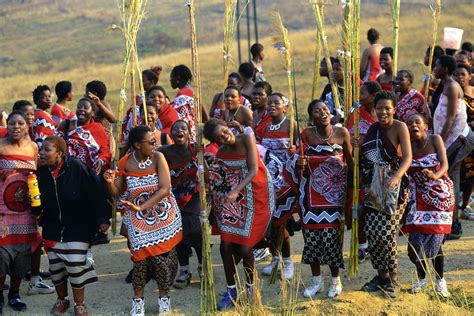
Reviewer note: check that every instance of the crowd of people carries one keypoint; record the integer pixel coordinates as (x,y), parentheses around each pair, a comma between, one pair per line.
(266,178)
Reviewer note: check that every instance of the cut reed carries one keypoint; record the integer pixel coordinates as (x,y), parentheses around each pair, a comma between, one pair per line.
(208,296)
(395,11)
(318,17)
(436,14)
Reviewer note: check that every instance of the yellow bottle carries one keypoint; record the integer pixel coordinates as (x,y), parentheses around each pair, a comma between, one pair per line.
(33,189)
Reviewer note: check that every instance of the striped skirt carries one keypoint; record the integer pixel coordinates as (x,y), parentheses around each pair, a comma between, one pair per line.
(69,260)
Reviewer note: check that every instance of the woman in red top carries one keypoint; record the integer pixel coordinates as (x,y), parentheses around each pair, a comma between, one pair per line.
(43,125)
(386,62)
(243,199)
(60,111)
(260,93)
(184,102)
(86,139)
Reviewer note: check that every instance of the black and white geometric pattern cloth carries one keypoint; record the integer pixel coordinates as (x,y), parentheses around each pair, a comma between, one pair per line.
(322,246)
(382,230)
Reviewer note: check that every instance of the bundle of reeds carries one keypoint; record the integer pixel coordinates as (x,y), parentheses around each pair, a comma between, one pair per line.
(282,43)
(315,5)
(230,27)
(317,59)
(132,13)
(395,10)
(353,262)
(208,296)
(436,13)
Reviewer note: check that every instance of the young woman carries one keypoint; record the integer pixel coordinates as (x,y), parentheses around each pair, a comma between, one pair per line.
(386,62)
(257,57)
(218,107)
(152,218)
(243,200)
(166,115)
(276,140)
(27,108)
(60,111)
(246,72)
(238,117)
(43,125)
(462,75)
(387,146)
(73,207)
(184,102)
(36,286)
(150,78)
(327,154)
(431,203)
(327,96)
(160,137)
(450,122)
(18,157)
(367,117)
(370,61)
(410,101)
(87,140)
(182,160)
(260,93)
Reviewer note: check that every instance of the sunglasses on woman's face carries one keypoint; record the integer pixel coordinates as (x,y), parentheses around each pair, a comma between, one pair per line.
(150,142)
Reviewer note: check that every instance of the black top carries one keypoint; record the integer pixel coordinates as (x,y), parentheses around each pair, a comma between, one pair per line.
(73,205)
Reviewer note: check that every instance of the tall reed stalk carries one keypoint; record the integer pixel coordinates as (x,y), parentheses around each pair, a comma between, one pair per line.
(317,59)
(132,13)
(230,27)
(208,296)
(395,10)
(353,261)
(436,14)
(282,43)
(318,17)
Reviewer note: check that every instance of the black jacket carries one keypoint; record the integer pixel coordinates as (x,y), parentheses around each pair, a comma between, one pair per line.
(74,204)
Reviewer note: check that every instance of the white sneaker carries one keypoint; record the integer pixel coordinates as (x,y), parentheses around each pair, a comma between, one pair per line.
(419,285)
(138,307)
(335,288)
(467,213)
(40,288)
(288,268)
(441,288)
(260,254)
(316,284)
(267,270)
(164,304)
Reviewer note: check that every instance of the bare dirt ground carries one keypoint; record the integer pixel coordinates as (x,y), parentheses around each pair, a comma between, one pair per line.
(112,296)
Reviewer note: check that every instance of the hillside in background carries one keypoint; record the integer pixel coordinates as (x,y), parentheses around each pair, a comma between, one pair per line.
(44,41)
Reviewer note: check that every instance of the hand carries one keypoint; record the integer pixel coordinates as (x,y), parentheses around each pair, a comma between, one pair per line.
(134,207)
(393,182)
(198,147)
(302,162)
(232,196)
(94,98)
(3,228)
(429,174)
(109,176)
(355,141)
(103,227)
(236,125)
(292,150)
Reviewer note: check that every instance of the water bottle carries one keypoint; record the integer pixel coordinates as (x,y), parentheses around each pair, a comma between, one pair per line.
(33,190)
